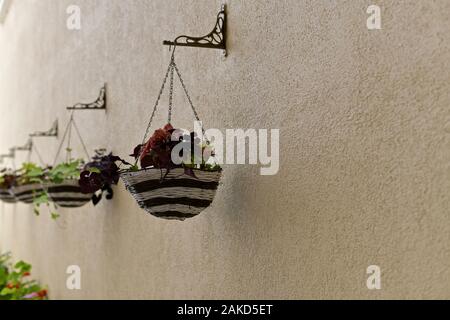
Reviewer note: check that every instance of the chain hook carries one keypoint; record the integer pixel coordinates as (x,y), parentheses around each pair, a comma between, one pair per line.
(173,50)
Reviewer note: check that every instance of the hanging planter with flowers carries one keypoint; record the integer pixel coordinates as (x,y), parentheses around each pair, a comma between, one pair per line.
(23,184)
(161,187)
(61,184)
(74,183)
(28,183)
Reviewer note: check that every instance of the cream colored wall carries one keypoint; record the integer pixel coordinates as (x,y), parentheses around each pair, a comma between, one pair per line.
(365,146)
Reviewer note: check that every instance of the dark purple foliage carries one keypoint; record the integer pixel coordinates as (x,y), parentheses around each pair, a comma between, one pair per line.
(99,175)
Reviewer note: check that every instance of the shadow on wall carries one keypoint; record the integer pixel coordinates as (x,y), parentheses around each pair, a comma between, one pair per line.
(238,193)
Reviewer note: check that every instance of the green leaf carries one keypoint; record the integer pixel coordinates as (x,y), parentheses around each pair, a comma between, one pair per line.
(65,171)
(43,198)
(54,215)
(22,267)
(14,276)
(94,170)
(30,172)
(6,291)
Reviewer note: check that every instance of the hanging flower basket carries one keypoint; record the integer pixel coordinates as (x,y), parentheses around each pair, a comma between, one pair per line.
(62,185)
(67,194)
(6,196)
(162,188)
(178,196)
(27,193)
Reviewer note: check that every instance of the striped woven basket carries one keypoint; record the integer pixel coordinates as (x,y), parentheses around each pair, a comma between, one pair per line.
(67,194)
(26,193)
(6,196)
(177,197)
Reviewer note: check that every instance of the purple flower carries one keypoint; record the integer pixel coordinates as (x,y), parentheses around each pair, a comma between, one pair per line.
(31,295)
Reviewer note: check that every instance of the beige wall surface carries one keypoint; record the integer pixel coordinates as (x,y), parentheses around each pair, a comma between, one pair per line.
(364,119)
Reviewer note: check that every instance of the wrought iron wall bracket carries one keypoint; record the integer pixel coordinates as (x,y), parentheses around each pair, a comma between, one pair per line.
(216,39)
(27,147)
(52,132)
(99,104)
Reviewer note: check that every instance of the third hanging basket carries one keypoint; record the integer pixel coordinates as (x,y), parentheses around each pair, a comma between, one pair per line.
(172,192)
(65,190)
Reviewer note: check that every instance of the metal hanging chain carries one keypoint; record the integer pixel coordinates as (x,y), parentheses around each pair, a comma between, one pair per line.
(69,139)
(186,92)
(81,139)
(36,151)
(170,72)
(29,154)
(169,118)
(63,139)
(68,135)
(154,110)
(190,101)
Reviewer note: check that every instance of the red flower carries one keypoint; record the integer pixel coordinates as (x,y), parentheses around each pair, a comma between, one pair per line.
(157,151)
(26,274)
(42,293)
(10,286)
(159,139)
(168,127)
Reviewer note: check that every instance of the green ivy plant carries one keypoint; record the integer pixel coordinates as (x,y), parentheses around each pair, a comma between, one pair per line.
(65,171)
(44,199)
(32,173)
(15,283)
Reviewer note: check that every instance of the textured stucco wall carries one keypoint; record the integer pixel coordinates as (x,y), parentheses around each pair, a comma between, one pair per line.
(365,146)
